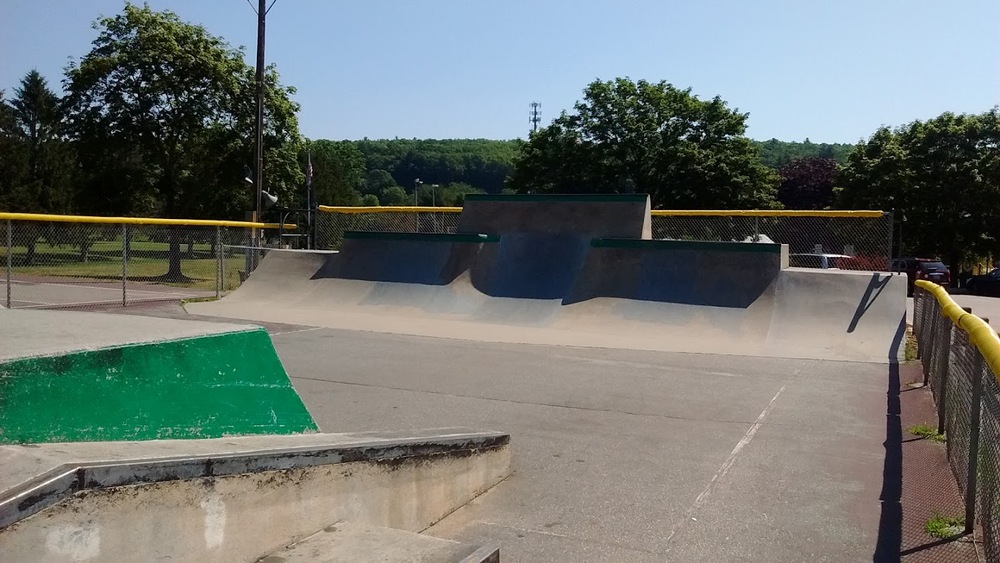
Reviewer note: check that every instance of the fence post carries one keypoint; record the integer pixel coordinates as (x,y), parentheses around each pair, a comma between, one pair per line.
(218,261)
(918,325)
(10,256)
(124,265)
(222,265)
(971,484)
(944,361)
(892,232)
(929,338)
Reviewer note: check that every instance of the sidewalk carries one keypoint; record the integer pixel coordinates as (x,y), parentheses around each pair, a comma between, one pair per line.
(928,485)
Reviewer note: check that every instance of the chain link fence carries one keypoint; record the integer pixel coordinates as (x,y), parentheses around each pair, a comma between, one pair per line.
(332,222)
(72,263)
(960,354)
(862,240)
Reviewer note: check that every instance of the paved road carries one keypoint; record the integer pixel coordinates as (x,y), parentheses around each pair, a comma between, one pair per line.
(986,307)
(625,455)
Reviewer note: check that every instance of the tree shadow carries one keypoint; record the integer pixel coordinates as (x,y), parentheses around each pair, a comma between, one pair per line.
(875,287)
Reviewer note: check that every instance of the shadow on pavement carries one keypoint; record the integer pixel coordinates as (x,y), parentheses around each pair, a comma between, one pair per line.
(890,527)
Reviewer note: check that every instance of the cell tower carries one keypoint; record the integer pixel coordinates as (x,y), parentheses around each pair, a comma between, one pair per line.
(534,116)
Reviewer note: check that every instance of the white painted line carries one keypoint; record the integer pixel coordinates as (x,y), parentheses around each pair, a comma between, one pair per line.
(83,303)
(702,498)
(641,365)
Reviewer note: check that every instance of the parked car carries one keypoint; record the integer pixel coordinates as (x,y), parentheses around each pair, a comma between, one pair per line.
(986,284)
(930,269)
(816,260)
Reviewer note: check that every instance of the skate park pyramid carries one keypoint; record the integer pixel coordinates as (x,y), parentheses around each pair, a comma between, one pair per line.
(577,270)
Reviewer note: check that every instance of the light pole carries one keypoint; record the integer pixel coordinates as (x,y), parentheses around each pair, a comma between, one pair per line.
(262,10)
(434,204)
(416,216)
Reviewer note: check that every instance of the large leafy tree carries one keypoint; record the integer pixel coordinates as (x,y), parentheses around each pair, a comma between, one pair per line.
(39,163)
(807,183)
(941,175)
(627,136)
(163,114)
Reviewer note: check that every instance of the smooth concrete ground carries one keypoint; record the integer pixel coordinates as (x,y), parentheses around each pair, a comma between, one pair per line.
(626,455)
(26,333)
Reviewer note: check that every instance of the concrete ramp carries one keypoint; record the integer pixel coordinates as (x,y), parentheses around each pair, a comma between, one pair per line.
(73,376)
(849,315)
(794,313)
(421,258)
(578,270)
(711,274)
(592,216)
(531,265)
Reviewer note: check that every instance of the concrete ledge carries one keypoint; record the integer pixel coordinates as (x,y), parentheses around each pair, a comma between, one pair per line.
(217,458)
(243,506)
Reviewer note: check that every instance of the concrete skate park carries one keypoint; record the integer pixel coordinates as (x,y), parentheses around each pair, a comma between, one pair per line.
(547,383)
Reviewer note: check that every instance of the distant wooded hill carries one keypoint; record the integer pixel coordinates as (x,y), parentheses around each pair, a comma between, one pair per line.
(775,153)
(484,164)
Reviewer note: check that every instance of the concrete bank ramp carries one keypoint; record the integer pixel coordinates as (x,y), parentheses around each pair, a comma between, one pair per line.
(655,295)
(592,216)
(74,376)
(325,496)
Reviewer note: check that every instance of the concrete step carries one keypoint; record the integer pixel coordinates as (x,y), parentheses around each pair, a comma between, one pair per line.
(360,543)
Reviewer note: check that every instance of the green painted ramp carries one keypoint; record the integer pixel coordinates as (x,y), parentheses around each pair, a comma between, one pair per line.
(208,386)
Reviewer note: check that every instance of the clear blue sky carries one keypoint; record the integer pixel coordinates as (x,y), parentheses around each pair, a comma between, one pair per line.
(830,71)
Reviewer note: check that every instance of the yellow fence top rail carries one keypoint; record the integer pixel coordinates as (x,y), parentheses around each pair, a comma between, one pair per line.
(138,221)
(980,333)
(655,212)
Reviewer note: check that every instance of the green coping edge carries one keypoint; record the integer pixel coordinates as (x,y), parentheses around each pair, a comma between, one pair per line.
(589,198)
(436,237)
(700,245)
(211,386)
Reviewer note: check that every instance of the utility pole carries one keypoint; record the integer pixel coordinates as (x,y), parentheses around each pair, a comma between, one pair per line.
(259,132)
(534,115)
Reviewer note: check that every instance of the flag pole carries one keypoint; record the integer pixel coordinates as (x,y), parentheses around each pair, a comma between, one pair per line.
(310,203)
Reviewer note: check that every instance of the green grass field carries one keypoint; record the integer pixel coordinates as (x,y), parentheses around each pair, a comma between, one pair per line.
(147,261)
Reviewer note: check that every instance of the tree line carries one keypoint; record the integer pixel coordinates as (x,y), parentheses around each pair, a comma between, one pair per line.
(157,120)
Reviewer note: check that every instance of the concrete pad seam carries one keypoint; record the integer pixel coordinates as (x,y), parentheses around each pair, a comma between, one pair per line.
(469,502)
(511,401)
(730,460)
(568,537)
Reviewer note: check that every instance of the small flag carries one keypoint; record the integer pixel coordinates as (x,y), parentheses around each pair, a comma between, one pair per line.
(309,169)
